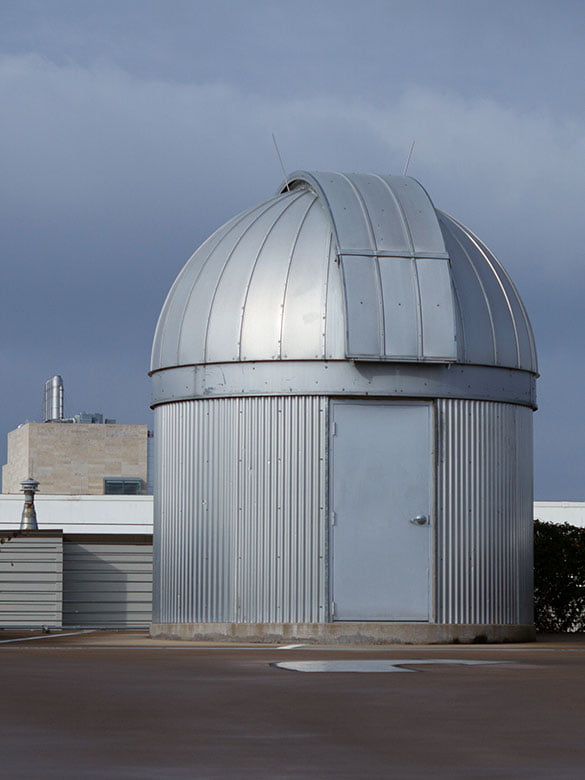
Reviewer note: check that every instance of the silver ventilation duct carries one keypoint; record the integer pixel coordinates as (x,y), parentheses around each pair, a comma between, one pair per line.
(28,520)
(53,406)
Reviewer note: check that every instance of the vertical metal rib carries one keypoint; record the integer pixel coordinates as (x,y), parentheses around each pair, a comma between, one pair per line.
(484,506)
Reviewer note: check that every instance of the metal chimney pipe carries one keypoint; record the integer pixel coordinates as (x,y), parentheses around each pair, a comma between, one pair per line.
(28,520)
(54,399)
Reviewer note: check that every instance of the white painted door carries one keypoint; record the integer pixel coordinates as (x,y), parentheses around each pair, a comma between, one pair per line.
(381,502)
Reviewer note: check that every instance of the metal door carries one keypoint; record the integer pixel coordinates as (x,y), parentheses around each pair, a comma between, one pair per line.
(381,501)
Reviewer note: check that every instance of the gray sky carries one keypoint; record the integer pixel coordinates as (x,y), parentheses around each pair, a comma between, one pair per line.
(130,130)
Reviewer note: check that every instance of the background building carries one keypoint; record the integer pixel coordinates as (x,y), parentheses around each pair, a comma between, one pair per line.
(78,458)
(559,512)
(90,561)
(78,455)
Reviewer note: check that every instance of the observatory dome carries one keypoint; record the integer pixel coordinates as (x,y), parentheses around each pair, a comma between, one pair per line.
(343,380)
(358,267)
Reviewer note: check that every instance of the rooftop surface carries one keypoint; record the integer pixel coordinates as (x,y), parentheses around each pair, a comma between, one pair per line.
(119,704)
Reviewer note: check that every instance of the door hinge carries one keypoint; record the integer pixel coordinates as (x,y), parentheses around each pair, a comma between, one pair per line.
(333,518)
(332,609)
(334,429)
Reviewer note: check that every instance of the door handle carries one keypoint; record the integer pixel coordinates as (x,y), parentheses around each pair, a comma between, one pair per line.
(420,520)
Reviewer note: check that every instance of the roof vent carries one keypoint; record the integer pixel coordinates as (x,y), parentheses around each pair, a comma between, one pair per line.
(53,407)
(28,520)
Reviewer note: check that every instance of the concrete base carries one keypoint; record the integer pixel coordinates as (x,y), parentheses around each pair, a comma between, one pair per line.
(346,633)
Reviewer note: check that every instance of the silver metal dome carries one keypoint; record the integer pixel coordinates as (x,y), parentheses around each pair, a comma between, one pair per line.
(344,266)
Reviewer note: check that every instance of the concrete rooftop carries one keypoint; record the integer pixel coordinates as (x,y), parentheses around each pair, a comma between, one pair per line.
(119,704)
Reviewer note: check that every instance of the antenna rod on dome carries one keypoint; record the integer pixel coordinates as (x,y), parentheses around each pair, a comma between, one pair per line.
(408,159)
(280,161)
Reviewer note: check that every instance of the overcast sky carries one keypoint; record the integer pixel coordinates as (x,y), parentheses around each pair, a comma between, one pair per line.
(130,130)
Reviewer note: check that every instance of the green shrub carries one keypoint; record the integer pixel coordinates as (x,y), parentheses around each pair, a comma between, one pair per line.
(559,577)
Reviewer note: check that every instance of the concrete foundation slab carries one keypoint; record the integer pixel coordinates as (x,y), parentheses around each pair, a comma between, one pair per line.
(355,633)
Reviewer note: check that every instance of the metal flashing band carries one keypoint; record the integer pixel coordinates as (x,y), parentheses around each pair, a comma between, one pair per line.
(344,378)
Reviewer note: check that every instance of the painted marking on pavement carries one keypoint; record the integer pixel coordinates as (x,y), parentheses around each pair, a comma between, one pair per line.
(44,636)
(394,665)
(120,648)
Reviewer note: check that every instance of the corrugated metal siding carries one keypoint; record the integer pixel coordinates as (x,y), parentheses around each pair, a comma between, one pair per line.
(240,510)
(31,579)
(484,513)
(106,583)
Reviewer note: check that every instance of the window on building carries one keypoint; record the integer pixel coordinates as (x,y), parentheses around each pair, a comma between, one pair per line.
(122,486)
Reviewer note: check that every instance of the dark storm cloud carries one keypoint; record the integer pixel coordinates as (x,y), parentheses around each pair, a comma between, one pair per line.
(131,131)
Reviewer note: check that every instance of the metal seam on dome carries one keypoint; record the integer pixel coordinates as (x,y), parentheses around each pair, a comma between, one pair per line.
(290,260)
(481,286)
(419,314)
(237,220)
(519,300)
(363,207)
(408,234)
(489,256)
(389,253)
(313,184)
(401,212)
(486,255)
(225,231)
(170,295)
(370,228)
(461,342)
(327,275)
(276,201)
(293,199)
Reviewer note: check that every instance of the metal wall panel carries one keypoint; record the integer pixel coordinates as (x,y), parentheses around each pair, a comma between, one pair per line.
(437,309)
(398,280)
(240,504)
(107,581)
(31,579)
(484,513)
(362,306)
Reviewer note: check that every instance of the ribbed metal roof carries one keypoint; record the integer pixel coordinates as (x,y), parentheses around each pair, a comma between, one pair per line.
(344,266)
